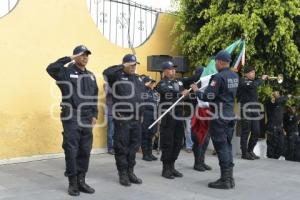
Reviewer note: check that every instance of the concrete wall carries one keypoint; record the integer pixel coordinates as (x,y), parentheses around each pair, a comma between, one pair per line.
(36,33)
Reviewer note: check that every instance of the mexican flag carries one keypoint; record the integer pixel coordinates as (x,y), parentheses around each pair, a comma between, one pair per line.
(200,120)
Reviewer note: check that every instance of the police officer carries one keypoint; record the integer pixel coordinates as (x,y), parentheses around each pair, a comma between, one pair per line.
(248,98)
(78,114)
(171,127)
(275,132)
(150,111)
(127,88)
(291,120)
(221,92)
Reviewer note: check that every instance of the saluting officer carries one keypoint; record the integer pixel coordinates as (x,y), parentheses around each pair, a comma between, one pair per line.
(248,97)
(78,114)
(171,128)
(127,88)
(221,93)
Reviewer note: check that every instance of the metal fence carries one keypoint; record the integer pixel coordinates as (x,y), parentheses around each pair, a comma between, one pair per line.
(6,6)
(123,22)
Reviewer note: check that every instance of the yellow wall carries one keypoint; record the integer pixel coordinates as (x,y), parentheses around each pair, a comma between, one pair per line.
(34,34)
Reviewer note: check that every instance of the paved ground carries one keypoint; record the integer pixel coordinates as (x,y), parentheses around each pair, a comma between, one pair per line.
(263,179)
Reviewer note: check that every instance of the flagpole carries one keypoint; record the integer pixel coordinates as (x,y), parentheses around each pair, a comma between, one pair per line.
(171,107)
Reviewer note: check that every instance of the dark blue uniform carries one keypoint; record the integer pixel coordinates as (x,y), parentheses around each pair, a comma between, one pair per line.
(247,93)
(221,91)
(275,136)
(290,124)
(171,129)
(127,97)
(79,105)
(150,114)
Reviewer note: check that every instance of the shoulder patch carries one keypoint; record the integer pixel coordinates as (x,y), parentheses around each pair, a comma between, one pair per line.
(213,83)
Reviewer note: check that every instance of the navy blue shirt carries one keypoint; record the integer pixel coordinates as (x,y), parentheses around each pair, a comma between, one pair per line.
(78,87)
(290,122)
(221,91)
(170,92)
(127,90)
(275,112)
(151,99)
(247,90)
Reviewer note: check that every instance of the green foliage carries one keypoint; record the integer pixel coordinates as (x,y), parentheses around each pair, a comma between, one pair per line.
(271,28)
(266,92)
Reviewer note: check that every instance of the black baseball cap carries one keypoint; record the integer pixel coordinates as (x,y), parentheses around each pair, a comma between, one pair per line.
(81,49)
(130,58)
(147,79)
(223,56)
(168,65)
(249,69)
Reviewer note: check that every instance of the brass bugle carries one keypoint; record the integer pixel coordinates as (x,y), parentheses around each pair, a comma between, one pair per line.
(279,78)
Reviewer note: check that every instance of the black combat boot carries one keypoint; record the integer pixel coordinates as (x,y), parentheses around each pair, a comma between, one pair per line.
(232,182)
(154,158)
(254,155)
(124,179)
(151,155)
(199,167)
(167,172)
(202,161)
(133,178)
(225,182)
(175,172)
(197,163)
(246,155)
(146,155)
(73,187)
(83,187)
(207,167)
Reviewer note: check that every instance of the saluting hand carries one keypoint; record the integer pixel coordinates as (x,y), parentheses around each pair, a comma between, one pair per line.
(76,55)
(129,64)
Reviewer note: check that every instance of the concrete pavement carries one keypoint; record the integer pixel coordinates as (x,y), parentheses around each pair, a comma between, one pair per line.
(262,179)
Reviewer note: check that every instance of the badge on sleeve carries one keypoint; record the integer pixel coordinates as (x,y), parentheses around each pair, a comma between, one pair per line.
(73,75)
(213,83)
(92,77)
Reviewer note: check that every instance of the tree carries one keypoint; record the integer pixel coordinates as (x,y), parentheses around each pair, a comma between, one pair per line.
(271,28)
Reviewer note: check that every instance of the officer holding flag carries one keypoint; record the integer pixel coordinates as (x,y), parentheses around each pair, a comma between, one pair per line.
(221,93)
